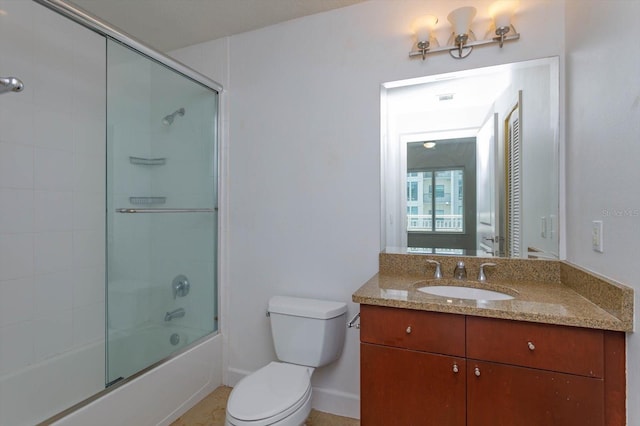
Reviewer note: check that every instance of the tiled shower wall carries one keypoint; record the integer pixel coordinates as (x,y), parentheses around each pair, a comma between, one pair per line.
(52,213)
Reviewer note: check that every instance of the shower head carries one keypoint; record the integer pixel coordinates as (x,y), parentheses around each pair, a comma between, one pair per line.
(167,120)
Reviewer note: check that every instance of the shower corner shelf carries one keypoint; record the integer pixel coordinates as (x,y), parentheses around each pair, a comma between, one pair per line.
(148,161)
(147,200)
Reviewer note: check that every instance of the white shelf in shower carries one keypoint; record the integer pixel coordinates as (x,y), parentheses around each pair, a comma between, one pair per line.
(148,161)
(145,201)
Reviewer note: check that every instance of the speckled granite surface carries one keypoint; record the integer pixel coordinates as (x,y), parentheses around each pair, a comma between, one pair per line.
(545,291)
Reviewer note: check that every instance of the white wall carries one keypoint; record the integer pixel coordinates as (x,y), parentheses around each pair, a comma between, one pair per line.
(304,162)
(603,131)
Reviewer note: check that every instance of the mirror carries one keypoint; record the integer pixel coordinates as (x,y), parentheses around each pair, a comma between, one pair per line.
(470,162)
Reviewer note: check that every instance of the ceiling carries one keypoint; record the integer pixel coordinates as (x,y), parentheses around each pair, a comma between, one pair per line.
(171,24)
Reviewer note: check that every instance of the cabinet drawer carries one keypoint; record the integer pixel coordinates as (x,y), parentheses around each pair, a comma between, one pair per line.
(419,330)
(551,347)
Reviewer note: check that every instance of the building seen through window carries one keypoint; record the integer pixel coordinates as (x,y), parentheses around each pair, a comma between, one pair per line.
(435,201)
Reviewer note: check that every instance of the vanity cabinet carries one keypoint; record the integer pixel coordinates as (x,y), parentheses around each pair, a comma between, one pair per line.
(428,368)
(412,367)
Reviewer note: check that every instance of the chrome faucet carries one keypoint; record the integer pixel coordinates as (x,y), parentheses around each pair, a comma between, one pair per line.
(177,313)
(460,273)
(481,276)
(438,272)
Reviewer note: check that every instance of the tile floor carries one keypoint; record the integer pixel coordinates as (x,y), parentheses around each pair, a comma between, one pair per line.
(211,412)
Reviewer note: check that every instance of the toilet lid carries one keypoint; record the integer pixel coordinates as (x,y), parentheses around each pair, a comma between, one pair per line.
(269,391)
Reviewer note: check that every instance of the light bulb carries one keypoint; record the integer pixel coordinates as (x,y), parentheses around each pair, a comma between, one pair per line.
(461,19)
(423,26)
(501,11)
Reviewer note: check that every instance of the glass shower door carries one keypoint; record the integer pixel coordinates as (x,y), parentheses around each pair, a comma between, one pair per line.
(161,211)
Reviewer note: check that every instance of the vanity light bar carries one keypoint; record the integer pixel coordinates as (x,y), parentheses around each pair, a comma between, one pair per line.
(455,51)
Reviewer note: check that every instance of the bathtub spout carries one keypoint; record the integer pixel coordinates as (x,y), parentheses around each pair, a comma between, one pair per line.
(178,313)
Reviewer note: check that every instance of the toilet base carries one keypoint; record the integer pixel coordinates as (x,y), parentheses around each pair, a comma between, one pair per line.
(297,418)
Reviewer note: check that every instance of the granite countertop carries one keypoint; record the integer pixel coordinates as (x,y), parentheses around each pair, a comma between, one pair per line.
(542,302)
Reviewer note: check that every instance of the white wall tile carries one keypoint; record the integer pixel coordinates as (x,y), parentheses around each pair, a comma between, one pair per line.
(16,256)
(16,166)
(89,210)
(53,169)
(89,172)
(60,112)
(88,324)
(16,301)
(88,286)
(88,249)
(51,128)
(53,251)
(53,293)
(53,211)
(52,335)
(16,120)
(16,210)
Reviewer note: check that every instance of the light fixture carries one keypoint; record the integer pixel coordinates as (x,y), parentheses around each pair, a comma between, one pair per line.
(462,40)
(461,19)
(429,144)
(422,28)
(501,12)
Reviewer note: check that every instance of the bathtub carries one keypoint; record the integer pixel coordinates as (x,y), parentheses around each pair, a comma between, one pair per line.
(130,351)
(44,389)
(161,394)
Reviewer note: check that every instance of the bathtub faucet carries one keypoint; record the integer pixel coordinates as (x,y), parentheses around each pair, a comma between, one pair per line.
(178,313)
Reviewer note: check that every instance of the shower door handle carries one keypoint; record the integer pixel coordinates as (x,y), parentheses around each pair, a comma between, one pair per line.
(10,84)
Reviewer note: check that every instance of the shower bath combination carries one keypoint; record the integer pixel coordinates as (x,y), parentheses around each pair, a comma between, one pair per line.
(131,316)
(168,119)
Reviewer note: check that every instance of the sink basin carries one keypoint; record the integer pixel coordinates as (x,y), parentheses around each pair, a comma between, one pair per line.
(461,292)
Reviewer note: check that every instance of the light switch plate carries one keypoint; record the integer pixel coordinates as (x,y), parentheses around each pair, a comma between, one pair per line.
(596,236)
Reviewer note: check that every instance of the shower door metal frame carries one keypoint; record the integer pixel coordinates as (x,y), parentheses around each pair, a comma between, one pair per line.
(84,18)
(107,30)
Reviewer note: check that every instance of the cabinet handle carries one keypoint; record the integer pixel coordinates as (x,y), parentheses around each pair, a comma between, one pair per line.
(477,372)
(455,368)
(408,330)
(531,346)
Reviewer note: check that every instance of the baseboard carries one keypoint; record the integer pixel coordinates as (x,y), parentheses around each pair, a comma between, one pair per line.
(234,375)
(326,400)
(336,402)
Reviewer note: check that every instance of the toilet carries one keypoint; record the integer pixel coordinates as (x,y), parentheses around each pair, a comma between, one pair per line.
(307,333)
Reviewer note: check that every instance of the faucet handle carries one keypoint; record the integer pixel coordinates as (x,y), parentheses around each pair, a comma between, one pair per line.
(481,276)
(438,271)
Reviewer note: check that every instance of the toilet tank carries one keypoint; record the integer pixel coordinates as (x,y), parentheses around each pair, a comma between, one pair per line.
(307,331)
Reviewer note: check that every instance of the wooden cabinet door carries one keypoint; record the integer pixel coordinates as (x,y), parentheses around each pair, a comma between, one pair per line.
(408,388)
(504,395)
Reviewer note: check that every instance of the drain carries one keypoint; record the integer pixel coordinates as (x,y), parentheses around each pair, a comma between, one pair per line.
(174,339)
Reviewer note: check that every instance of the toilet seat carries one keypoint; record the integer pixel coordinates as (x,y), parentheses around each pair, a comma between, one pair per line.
(270,394)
